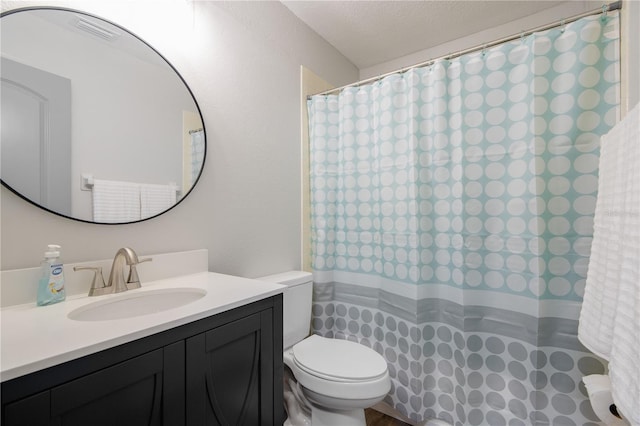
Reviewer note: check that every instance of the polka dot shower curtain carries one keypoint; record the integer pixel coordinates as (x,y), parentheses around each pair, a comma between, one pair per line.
(452,214)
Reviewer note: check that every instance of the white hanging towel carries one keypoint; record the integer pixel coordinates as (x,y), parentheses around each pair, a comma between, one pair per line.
(155,199)
(115,201)
(610,316)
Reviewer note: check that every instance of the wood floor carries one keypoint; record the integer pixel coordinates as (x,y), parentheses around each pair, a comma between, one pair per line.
(376,418)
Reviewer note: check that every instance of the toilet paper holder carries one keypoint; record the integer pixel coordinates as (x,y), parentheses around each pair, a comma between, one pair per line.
(614,410)
(599,391)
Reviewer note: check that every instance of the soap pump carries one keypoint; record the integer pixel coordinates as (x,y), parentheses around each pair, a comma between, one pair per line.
(51,283)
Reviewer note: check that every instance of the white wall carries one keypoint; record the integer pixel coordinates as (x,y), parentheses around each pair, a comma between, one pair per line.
(242,62)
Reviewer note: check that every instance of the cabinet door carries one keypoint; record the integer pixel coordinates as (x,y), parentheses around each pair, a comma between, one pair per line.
(30,411)
(230,373)
(128,393)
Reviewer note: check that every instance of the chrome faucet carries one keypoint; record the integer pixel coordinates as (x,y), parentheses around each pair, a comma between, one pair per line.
(116,283)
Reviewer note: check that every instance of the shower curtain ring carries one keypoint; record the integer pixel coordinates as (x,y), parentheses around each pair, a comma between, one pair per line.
(562,26)
(605,9)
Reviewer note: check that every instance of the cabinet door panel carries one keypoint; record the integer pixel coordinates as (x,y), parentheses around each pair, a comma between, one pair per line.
(129,393)
(173,402)
(30,411)
(225,375)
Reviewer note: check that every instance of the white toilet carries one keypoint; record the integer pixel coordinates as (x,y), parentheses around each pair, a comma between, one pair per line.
(336,379)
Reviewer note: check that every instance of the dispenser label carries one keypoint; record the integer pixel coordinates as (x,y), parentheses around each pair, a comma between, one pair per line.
(56,279)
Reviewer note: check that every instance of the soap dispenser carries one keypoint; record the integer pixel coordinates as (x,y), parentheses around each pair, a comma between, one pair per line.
(51,283)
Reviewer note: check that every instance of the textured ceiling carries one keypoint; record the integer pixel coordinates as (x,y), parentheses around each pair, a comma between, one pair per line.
(372,32)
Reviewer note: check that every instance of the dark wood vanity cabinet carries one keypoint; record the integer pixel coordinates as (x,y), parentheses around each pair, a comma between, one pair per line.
(228,371)
(222,370)
(130,392)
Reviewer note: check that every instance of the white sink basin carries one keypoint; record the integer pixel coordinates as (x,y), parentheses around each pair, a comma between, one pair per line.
(134,304)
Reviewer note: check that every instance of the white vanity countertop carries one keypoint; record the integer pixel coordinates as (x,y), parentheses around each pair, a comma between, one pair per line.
(36,337)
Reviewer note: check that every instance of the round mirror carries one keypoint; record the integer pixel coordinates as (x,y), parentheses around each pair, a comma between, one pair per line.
(96,125)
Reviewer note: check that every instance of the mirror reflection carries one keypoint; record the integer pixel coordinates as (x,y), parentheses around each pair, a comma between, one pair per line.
(96,125)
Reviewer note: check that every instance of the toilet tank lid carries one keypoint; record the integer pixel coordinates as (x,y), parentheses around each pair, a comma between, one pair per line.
(289,278)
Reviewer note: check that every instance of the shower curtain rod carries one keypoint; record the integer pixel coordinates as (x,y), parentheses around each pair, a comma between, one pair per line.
(604,9)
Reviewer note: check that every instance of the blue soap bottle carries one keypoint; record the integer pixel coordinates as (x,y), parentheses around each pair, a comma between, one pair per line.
(51,283)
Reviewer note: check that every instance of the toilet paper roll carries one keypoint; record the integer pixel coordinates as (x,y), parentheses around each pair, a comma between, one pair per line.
(599,390)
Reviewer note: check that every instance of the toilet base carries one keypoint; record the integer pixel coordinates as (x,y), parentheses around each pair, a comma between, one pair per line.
(296,405)
(324,417)
(303,412)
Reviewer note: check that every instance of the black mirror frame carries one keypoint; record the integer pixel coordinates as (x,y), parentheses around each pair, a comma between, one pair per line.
(204,158)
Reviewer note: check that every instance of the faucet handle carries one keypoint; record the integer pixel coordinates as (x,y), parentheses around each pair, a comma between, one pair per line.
(133,281)
(97,284)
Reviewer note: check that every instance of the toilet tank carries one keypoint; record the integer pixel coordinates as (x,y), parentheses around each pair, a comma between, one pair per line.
(296,301)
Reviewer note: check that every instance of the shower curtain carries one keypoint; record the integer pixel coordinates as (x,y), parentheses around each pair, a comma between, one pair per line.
(197,154)
(452,215)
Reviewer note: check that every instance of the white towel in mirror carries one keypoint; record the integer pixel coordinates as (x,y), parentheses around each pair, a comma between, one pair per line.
(154,199)
(115,201)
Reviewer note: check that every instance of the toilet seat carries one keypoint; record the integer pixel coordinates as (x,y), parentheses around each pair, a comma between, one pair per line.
(338,360)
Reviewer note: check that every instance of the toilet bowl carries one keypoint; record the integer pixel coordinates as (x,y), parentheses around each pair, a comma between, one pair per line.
(336,379)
